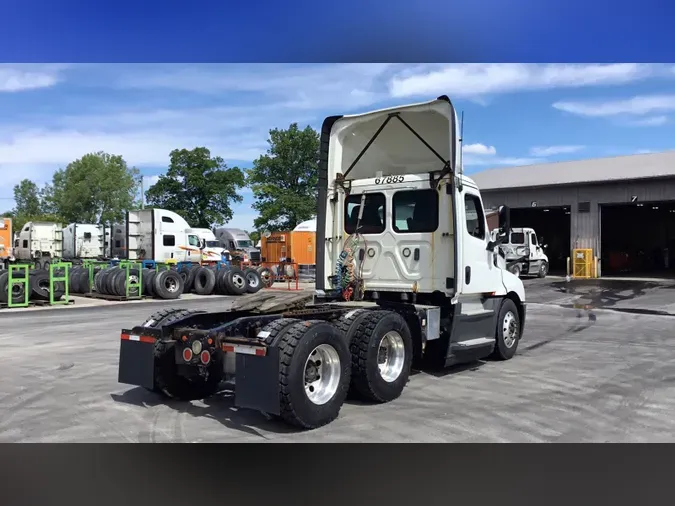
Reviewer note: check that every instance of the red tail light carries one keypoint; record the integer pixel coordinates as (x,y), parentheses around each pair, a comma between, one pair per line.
(205,357)
(187,354)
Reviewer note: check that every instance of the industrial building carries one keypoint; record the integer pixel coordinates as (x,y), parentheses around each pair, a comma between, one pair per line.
(623,208)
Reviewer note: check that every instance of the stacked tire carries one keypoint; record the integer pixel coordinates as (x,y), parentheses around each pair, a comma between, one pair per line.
(38,286)
(209,280)
(18,290)
(78,279)
(167,284)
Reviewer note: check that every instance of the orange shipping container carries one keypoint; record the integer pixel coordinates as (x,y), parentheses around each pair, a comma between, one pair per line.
(298,246)
(5,237)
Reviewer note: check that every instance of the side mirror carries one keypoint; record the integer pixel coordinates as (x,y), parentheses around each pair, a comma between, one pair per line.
(202,243)
(504,220)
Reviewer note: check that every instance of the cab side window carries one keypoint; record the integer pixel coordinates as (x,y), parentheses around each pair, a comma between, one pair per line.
(534,239)
(193,240)
(475,218)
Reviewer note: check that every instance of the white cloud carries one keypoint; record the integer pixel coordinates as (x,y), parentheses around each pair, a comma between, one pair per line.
(479,149)
(304,86)
(149,181)
(636,106)
(519,161)
(54,148)
(483,155)
(651,121)
(544,151)
(471,79)
(14,78)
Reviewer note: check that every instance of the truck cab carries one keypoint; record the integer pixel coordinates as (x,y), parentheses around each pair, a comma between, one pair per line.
(204,242)
(398,221)
(238,243)
(525,254)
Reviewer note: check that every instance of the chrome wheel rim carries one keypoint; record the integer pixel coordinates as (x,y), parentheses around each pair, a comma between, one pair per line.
(510,329)
(391,356)
(252,280)
(171,285)
(322,374)
(238,281)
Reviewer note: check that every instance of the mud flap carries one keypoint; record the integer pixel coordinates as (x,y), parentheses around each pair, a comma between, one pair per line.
(137,363)
(257,382)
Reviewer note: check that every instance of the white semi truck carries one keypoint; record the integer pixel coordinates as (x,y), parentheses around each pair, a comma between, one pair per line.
(239,244)
(430,289)
(83,241)
(524,254)
(39,242)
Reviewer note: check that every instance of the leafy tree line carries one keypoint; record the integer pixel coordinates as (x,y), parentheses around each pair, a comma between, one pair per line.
(100,187)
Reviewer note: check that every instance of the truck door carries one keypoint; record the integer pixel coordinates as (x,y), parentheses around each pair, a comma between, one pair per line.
(479,271)
(193,253)
(535,253)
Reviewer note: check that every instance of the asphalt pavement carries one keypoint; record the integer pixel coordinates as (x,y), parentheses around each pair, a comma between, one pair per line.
(578,376)
(642,296)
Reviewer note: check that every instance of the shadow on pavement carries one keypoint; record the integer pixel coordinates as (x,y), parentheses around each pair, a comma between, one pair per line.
(219,407)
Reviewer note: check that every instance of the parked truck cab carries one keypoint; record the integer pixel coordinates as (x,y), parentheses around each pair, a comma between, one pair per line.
(204,242)
(39,242)
(524,254)
(238,243)
(407,272)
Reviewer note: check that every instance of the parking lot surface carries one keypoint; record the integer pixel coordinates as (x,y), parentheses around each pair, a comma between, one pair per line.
(647,296)
(610,377)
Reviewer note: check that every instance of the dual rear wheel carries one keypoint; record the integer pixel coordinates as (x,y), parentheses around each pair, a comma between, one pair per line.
(367,354)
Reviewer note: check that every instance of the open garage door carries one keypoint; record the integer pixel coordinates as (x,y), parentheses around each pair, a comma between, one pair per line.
(553,228)
(638,239)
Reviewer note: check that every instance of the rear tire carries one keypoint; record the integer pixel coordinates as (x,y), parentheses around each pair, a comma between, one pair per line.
(254,282)
(168,285)
(18,290)
(221,288)
(314,374)
(190,280)
(382,351)
(83,281)
(508,332)
(205,281)
(273,332)
(516,270)
(235,281)
(266,276)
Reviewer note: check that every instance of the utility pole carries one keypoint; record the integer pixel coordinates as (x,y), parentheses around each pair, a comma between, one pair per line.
(142,195)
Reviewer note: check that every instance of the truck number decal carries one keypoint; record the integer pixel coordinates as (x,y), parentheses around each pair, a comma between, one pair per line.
(389,180)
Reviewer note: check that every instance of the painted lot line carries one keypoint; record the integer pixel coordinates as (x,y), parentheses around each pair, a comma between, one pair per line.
(572,380)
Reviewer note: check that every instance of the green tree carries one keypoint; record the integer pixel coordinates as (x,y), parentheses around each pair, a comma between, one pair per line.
(97,188)
(199,187)
(30,205)
(255,236)
(284,180)
(27,198)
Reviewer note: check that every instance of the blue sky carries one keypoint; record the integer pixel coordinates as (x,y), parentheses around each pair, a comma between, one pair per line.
(515,114)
